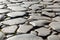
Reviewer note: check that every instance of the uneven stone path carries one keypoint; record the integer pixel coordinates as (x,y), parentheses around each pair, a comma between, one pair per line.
(29,19)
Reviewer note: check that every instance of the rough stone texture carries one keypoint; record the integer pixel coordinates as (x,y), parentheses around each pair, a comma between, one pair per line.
(14,21)
(55,26)
(1,36)
(53,37)
(43,31)
(39,22)
(25,37)
(14,14)
(9,29)
(24,28)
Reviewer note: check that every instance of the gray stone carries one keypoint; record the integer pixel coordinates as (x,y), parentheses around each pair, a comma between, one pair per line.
(47,3)
(17,8)
(56,10)
(16,14)
(39,22)
(49,14)
(4,10)
(35,6)
(47,0)
(14,21)
(53,37)
(55,6)
(9,29)
(1,35)
(56,19)
(55,26)
(24,28)
(2,6)
(2,16)
(25,37)
(43,31)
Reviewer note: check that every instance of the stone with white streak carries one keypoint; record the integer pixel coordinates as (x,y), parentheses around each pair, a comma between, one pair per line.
(16,14)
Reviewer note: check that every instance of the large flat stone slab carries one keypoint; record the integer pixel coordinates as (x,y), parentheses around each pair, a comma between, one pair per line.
(25,37)
(14,21)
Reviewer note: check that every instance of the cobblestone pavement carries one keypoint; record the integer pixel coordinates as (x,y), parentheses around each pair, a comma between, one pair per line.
(29,19)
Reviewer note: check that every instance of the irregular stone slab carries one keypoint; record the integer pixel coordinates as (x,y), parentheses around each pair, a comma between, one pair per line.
(14,21)
(2,36)
(48,14)
(57,13)
(56,0)
(16,14)
(9,29)
(55,26)
(30,2)
(39,22)
(47,10)
(2,17)
(38,16)
(24,28)
(25,37)
(55,6)
(56,19)
(4,10)
(47,3)
(2,0)
(17,8)
(43,31)
(35,6)
(48,0)
(2,6)
(53,37)
(25,5)
(56,10)
(13,4)
(17,0)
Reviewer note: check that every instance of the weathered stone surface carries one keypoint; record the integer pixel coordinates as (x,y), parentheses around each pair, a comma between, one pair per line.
(16,14)
(17,8)
(25,37)
(2,6)
(14,21)
(43,31)
(2,36)
(53,37)
(56,19)
(4,10)
(47,0)
(24,28)
(35,6)
(48,14)
(55,26)
(9,29)
(2,17)
(39,22)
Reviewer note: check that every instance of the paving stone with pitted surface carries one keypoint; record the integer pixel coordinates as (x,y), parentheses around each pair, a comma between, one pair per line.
(53,37)
(41,30)
(14,21)
(24,28)
(14,14)
(9,29)
(55,26)
(25,37)
(39,22)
